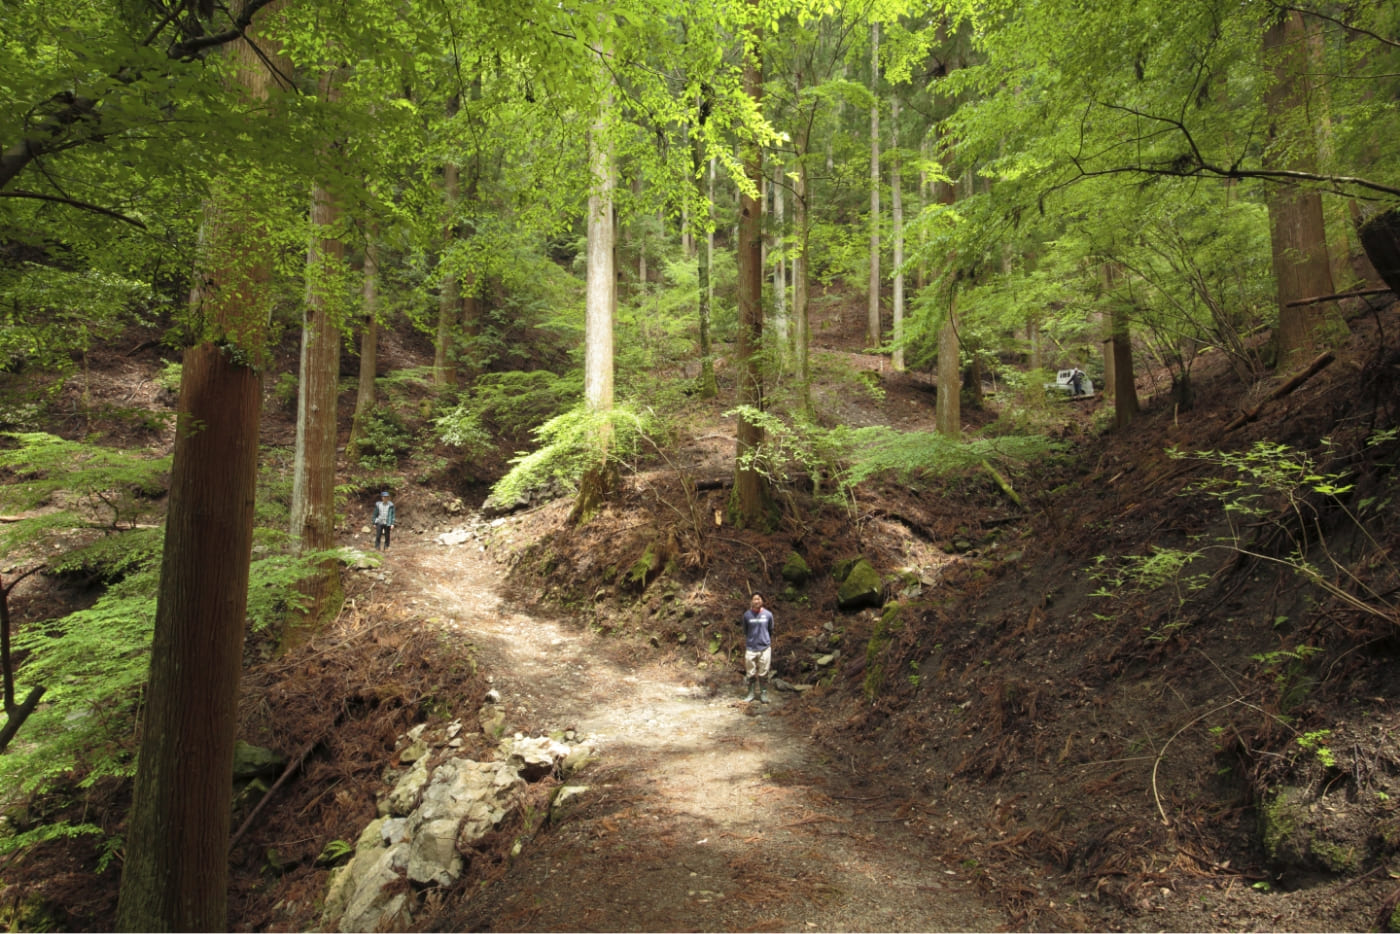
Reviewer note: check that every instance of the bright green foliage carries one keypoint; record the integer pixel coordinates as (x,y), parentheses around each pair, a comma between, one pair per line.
(908,455)
(72,485)
(1141,574)
(507,405)
(1284,509)
(568,448)
(383,439)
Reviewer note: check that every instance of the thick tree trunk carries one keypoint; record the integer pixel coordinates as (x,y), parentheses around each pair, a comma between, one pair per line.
(872,331)
(1380,237)
(175,877)
(175,874)
(750,485)
(1298,234)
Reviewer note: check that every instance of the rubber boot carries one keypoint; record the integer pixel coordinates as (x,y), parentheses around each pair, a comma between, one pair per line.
(750,683)
(763,690)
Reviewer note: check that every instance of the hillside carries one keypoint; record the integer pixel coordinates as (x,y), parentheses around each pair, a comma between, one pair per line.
(997,746)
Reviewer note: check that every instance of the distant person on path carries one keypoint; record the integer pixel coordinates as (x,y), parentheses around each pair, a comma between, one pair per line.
(383,519)
(1076,382)
(758,648)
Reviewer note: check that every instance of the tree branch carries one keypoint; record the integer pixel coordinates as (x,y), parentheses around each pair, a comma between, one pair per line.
(81,205)
(190,48)
(1318,14)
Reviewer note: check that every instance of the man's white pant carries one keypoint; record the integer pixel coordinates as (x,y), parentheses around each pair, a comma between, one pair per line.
(756,664)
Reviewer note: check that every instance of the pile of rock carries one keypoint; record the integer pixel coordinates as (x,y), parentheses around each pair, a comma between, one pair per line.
(432,816)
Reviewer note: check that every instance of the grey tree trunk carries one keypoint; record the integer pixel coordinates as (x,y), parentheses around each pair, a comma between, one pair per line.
(872,334)
(897,221)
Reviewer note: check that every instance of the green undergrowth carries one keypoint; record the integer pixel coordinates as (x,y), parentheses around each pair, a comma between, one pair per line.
(90,515)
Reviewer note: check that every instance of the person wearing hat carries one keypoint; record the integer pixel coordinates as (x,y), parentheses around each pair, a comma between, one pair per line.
(383,519)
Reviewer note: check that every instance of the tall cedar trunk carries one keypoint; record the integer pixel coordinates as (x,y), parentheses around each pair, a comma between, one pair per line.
(948,403)
(1107,321)
(948,407)
(872,332)
(1298,234)
(175,877)
(175,872)
(707,388)
(802,337)
(750,486)
(450,294)
(369,342)
(600,292)
(1125,399)
(470,305)
(313,464)
(897,232)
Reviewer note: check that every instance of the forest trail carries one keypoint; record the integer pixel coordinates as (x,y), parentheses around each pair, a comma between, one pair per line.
(703,813)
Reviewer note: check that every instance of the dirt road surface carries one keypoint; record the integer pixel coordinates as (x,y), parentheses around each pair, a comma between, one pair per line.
(703,812)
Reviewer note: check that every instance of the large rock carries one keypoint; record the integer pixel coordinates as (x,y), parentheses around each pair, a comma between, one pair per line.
(251,761)
(862,587)
(428,820)
(402,800)
(534,758)
(795,570)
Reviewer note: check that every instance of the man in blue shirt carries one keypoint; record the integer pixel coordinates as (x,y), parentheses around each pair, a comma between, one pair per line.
(758,647)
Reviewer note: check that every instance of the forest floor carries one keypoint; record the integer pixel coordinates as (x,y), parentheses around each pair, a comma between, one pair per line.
(1017,753)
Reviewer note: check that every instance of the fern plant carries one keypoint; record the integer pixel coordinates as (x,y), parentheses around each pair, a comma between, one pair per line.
(569,446)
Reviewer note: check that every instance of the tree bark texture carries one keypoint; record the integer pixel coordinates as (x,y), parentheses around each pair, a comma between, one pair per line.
(1298,235)
(779,255)
(802,330)
(873,311)
(750,486)
(313,464)
(175,877)
(175,874)
(600,298)
(601,277)
(1125,399)
(369,341)
(450,292)
(1380,237)
(708,389)
(948,404)
(897,232)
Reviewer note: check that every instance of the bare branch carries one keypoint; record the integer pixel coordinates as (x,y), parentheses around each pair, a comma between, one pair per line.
(81,205)
(1318,14)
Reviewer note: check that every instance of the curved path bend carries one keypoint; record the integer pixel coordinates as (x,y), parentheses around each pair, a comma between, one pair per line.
(703,814)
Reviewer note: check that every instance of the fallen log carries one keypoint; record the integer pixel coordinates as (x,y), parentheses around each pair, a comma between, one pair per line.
(1293,383)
